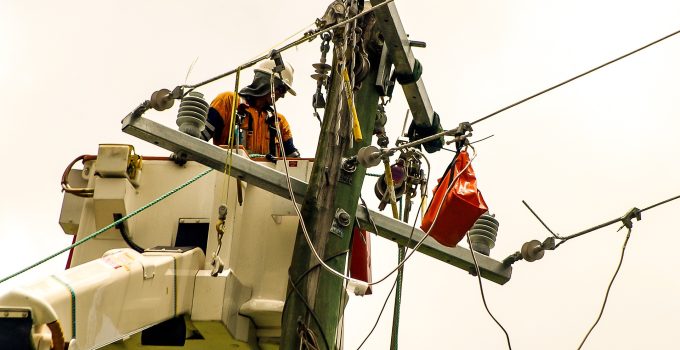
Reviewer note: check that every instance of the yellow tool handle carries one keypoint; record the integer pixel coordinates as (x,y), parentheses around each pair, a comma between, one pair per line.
(356,128)
(390,188)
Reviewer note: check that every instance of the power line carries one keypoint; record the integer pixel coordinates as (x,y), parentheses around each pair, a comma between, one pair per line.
(623,251)
(461,128)
(534,250)
(634,213)
(481,291)
(574,78)
(309,36)
(379,315)
(537,248)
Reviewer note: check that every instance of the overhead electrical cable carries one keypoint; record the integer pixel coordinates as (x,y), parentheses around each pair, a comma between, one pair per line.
(410,238)
(306,233)
(574,78)
(304,227)
(379,315)
(627,222)
(481,291)
(306,37)
(604,303)
(455,130)
(633,213)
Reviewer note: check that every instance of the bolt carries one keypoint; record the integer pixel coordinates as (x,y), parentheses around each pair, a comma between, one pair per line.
(343,218)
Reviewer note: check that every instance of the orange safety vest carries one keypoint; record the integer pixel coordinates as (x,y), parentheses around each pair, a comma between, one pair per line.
(254,125)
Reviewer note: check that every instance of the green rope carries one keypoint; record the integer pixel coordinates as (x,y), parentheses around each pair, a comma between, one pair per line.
(394,343)
(155,201)
(373,175)
(397,302)
(73,304)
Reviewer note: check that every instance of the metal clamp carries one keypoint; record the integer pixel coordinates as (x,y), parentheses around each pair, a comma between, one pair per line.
(627,220)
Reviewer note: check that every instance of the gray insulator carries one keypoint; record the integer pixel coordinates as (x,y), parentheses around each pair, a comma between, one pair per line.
(193,112)
(532,250)
(483,234)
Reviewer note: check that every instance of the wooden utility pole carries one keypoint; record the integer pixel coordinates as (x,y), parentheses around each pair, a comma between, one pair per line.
(315,296)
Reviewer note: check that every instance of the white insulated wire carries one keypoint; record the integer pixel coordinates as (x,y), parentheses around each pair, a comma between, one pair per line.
(302,222)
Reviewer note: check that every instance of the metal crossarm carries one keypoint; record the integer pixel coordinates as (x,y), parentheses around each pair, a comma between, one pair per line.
(402,57)
(275,182)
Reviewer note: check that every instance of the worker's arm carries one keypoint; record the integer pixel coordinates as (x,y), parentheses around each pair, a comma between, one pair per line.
(219,118)
(213,126)
(287,136)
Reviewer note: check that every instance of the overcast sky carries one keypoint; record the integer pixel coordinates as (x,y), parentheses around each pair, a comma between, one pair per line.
(580,155)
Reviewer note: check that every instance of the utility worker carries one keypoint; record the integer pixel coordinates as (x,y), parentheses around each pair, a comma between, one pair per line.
(254,121)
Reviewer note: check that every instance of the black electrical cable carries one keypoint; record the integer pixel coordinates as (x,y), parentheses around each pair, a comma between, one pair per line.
(623,251)
(410,238)
(123,232)
(304,274)
(450,132)
(306,37)
(541,221)
(375,227)
(299,279)
(311,311)
(660,203)
(379,315)
(481,291)
(574,78)
(564,239)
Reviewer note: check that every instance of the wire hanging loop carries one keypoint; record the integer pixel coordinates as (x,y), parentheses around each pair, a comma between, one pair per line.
(627,222)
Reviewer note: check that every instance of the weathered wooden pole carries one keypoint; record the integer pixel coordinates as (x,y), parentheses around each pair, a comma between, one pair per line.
(315,296)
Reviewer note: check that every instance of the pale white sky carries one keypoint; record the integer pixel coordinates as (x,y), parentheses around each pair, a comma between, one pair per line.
(581,155)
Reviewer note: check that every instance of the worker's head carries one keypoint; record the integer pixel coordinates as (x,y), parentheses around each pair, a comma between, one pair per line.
(259,89)
(267,66)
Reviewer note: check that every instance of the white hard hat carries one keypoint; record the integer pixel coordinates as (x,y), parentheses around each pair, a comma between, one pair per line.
(266,66)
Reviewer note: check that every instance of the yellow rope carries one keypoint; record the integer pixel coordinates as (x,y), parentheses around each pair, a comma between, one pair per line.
(228,163)
(230,152)
(356,127)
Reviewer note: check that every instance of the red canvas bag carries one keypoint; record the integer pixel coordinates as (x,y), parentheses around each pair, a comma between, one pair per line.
(360,257)
(461,207)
